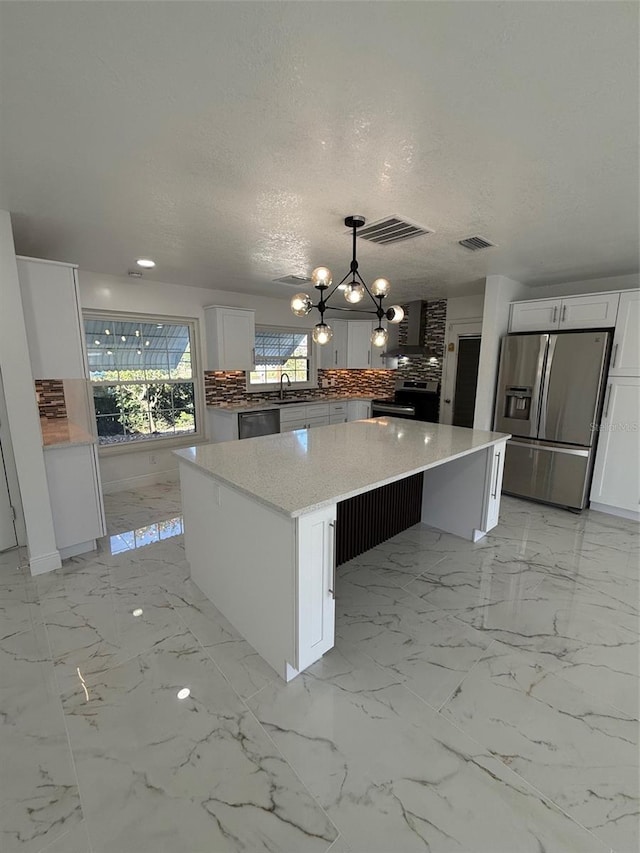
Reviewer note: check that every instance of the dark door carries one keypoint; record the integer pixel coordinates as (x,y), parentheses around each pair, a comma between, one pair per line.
(464,401)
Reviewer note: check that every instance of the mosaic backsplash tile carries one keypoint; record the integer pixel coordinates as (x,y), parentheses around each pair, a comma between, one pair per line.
(50,396)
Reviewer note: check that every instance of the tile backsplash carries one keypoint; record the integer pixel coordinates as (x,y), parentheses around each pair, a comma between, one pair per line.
(230,386)
(422,367)
(50,397)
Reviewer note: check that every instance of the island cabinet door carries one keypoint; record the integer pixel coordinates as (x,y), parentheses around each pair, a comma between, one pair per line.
(495,469)
(316,585)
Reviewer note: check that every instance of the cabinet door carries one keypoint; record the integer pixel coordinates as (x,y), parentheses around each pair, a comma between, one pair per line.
(542,315)
(616,477)
(231,334)
(359,410)
(316,585)
(359,344)
(334,354)
(496,469)
(625,356)
(75,494)
(52,319)
(589,312)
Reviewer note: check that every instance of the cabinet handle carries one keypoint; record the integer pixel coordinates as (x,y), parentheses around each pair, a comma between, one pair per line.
(564,313)
(253,357)
(607,401)
(555,313)
(335,358)
(615,355)
(494,493)
(334,542)
(369,357)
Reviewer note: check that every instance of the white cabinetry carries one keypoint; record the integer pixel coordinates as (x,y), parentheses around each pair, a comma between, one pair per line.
(316,561)
(304,417)
(338,413)
(76,505)
(616,478)
(359,410)
(52,318)
(591,311)
(494,485)
(541,315)
(231,335)
(625,356)
(350,346)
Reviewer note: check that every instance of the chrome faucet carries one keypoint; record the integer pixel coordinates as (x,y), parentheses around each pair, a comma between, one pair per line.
(288,384)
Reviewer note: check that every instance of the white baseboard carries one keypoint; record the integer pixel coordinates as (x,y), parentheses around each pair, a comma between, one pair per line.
(138,482)
(615,510)
(80,548)
(44,563)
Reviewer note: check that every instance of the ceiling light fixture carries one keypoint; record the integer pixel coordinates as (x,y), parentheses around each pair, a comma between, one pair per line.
(354,292)
(146,263)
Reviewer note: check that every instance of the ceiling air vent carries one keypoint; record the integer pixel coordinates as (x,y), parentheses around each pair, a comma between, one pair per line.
(293,280)
(392,229)
(475,243)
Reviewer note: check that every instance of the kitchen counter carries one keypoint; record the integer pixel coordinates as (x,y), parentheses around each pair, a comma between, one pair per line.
(263,517)
(234,408)
(62,432)
(302,471)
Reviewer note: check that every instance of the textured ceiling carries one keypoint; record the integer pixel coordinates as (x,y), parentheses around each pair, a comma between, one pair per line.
(228,140)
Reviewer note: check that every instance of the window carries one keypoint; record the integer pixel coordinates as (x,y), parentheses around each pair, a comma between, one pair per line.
(142,375)
(278,351)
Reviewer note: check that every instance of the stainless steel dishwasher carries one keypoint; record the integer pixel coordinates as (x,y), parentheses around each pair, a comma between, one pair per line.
(252,424)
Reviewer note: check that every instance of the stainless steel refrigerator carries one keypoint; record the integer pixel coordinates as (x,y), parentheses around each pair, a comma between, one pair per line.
(549,397)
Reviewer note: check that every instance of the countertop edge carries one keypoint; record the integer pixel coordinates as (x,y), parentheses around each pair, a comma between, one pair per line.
(297,513)
(262,407)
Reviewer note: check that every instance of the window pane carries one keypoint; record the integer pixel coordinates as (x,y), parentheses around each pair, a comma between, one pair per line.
(279,351)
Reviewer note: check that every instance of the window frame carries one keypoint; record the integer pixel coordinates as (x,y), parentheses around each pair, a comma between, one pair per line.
(197,378)
(312,382)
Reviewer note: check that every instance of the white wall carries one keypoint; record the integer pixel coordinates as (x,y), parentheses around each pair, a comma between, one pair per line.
(127,468)
(465,307)
(22,411)
(499,292)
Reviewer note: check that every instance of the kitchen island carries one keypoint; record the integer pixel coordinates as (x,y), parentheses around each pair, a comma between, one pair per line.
(260,517)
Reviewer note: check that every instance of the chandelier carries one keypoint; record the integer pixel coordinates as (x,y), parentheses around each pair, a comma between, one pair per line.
(354,292)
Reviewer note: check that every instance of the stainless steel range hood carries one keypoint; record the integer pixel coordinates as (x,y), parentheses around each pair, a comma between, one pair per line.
(414,344)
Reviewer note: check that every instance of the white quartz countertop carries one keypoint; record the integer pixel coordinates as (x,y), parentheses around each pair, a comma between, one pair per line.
(300,471)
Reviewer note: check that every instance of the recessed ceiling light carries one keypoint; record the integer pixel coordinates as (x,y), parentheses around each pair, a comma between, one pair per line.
(137,612)
(146,263)
(184,693)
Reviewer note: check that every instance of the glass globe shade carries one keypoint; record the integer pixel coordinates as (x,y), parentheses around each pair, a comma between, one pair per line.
(321,277)
(353,293)
(380,287)
(395,314)
(322,333)
(301,304)
(379,337)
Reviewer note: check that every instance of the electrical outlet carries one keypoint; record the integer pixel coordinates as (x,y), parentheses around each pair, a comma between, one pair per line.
(152,459)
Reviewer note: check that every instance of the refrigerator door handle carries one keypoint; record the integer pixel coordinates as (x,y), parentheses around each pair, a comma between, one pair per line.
(569,451)
(542,426)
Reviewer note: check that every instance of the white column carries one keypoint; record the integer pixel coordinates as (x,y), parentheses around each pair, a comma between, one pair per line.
(22,411)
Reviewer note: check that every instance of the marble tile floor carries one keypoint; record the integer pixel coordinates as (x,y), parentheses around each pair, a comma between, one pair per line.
(480,698)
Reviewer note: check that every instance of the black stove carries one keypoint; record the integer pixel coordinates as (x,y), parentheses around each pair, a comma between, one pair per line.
(415,400)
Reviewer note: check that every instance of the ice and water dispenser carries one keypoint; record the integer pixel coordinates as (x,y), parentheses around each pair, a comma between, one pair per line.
(518,402)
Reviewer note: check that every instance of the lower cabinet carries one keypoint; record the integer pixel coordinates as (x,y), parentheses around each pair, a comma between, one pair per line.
(316,561)
(494,486)
(338,413)
(616,476)
(76,499)
(359,410)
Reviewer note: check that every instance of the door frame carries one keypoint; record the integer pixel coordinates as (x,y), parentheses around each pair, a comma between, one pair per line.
(11,471)
(471,328)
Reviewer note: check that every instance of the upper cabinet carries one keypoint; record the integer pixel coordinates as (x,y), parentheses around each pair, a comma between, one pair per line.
(52,318)
(538,316)
(592,311)
(231,334)
(625,356)
(350,346)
